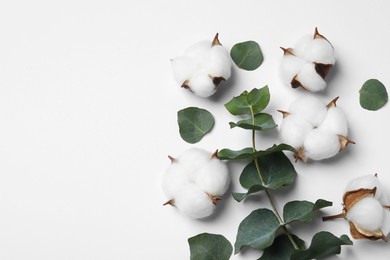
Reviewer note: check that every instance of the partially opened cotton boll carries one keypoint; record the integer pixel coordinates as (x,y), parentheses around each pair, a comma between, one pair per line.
(294,130)
(310,108)
(321,145)
(195,181)
(202,67)
(367,214)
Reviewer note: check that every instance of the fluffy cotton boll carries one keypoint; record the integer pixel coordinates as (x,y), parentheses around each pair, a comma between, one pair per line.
(302,45)
(310,108)
(213,177)
(218,62)
(174,179)
(367,213)
(198,51)
(335,122)
(192,160)
(385,227)
(319,50)
(290,66)
(320,145)
(182,68)
(369,182)
(293,130)
(201,84)
(310,79)
(193,202)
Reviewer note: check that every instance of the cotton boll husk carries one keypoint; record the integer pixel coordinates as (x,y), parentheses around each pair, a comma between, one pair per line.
(192,160)
(369,182)
(290,66)
(213,177)
(385,227)
(198,51)
(310,79)
(293,130)
(174,179)
(193,202)
(302,45)
(218,62)
(202,84)
(335,122)
(310,108)
(367,213)
(321,51)
(320,145)
(182,68)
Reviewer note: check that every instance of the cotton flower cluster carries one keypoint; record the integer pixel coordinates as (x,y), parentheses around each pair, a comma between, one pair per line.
(308,63)
(202,67)
(316,130)
(195,182)
(366,207)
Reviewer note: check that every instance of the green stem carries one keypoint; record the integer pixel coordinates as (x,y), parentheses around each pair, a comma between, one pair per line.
(270,198)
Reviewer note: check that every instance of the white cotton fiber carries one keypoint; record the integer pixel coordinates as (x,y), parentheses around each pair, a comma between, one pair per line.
(293,130)
(198,51)
(385,227)
(310,79)
(218,62)
(367,213)
(202,84)
(320,51)
(182,68)
(369,182)
(290,66)
(193,202)
(301,46)
(310,108)
(192,160)
(335,122)
(174,179)
(321,145)
(213,177)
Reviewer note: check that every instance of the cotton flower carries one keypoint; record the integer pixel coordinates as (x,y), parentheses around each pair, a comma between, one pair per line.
(366,207)
(195,181)
(308,63)
(202,67)
(316,130)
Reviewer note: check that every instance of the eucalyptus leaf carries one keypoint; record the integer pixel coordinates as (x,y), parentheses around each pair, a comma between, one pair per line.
(249,103)
(323,244)
(302,210)
(248,153)
(253,189)
(373,95)
(207,246)
(282,249)
(261,122)
(257,230)
(247,55)
(194,123)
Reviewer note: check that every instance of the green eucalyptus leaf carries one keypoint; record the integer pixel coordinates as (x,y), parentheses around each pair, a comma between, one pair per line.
(282,248)
(257,230)
(249,103)
(207,246)
(253,189)
(261,122)
(302,210)
(373,95)
(194,123)
(248,153)
(323,244)
(247,55)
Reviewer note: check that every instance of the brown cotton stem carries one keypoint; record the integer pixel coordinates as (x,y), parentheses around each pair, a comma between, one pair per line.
(216,40)
(287,51)
(169,202)
(332,103)
(284,113)
(214,155)
(172,159)
(341,215)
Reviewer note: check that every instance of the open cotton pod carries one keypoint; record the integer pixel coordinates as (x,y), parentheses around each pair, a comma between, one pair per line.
(195,182)
(307,64)
(202,67)
(316,130)
(368,216)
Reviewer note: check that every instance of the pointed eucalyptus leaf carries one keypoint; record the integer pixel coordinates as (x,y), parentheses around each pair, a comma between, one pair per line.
(207,246)
(257,230)
(247,55)
(194,123)
(302,210)
(282,248)
(249,103)
(261,122)
(247,153)
(323,244)
(373,95)
(252,190)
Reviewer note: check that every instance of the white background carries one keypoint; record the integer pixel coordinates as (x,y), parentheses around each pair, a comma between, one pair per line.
(88,116)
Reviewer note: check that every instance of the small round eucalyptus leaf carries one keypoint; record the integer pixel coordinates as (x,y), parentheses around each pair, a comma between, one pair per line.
(373,95)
